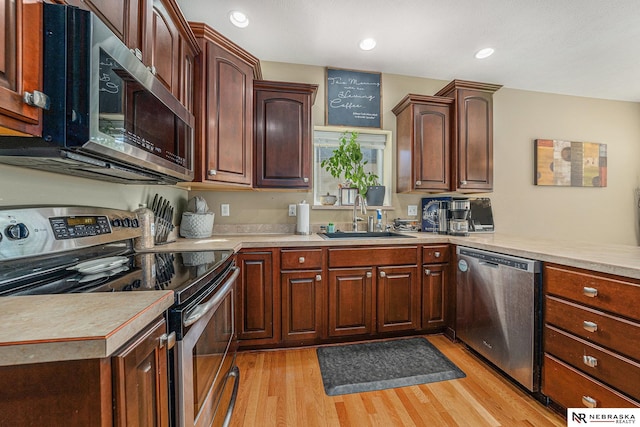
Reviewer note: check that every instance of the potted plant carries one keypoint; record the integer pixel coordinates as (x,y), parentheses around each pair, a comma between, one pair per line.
(347,162)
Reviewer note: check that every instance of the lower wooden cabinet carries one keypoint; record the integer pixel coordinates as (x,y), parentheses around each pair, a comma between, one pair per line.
(302,294)
(128,389)
(435,296)
(351,301)
(258,298)
(398,298)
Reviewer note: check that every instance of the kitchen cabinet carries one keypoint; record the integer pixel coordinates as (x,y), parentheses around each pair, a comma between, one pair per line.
(224,75)
(258,321)
(129,388)
(436,296)
(472,135)
(283,134)
(21,66)
(373,290)
(423,143)
(157,32)
(591,331)
(302,282)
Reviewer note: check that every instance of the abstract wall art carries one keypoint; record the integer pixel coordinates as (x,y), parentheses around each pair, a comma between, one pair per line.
(570,163)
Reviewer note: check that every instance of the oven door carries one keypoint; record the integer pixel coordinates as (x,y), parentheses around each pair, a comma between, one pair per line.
(206,358)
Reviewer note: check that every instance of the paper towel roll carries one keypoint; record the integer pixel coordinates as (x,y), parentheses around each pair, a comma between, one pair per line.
(303,218)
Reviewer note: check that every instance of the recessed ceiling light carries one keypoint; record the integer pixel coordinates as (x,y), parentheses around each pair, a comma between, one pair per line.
(238,19)
(484,53)
(367,44)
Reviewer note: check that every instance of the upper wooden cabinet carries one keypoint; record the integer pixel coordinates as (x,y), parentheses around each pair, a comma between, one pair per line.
(223,109)
(157,32)
(472,150)
(20,65)
(283,133)
(423,129)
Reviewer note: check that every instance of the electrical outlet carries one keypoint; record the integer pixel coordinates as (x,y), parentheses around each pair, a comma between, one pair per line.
(292,210)
(224,210)
(412,210)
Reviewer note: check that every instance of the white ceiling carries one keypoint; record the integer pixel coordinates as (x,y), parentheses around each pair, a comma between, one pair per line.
(578,47)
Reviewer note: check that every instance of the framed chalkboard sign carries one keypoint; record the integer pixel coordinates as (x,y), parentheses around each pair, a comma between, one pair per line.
(353,98)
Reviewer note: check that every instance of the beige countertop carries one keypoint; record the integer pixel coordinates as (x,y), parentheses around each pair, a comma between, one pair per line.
(75,326)
(44,328)
(623,260)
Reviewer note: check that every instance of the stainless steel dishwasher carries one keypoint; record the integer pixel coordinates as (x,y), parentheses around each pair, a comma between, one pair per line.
(498,311)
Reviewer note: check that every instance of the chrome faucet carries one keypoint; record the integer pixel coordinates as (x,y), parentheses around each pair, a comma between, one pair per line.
(363,211)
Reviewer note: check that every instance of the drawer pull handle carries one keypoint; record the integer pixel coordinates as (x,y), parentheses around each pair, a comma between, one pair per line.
(301,260)
(590,361)
(590,292)
(383,274)
(590,326)
(427,272)
(318,278)
(589,402)
(436,254)
(369,275)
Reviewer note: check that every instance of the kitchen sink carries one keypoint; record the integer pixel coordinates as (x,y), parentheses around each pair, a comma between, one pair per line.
(361,235)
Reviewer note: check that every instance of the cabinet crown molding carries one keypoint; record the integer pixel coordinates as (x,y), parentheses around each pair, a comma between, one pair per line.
(413,98)
(466,84)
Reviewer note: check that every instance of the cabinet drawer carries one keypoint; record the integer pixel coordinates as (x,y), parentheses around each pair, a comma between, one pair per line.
(301,259)
(609,367)
(435,254)
(371,256)
(605,292)
(609,331)
(570,388)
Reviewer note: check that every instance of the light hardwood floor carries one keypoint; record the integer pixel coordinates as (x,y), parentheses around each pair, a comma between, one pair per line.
(284,388)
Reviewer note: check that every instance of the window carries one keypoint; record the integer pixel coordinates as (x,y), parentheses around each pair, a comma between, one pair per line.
(375,144)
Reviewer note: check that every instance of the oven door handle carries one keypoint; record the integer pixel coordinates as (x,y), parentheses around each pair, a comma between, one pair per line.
(202,309)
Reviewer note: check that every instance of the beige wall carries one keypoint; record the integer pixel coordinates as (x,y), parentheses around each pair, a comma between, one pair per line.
(607,215)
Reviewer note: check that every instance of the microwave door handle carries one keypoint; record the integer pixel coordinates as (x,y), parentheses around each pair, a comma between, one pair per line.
(203,309)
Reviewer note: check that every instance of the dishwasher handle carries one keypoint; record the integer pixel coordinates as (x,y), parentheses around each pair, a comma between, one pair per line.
(488,264)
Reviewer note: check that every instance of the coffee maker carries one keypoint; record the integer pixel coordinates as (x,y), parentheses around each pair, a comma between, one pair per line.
(459,209)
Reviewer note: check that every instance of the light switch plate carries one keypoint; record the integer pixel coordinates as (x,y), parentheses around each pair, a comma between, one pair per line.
(292,210)
(224,209)
(412,210)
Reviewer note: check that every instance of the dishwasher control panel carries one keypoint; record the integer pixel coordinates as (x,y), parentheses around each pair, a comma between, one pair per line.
(500,259)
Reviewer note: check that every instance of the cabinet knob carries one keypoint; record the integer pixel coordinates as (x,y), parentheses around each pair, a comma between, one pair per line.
(318,278)
(168,340)
(463,182)
(418,182)
(383,274)
(305,179)
(590,292)
(590,326)
(427,271)
(137,53)
(590,361)
(589,402)
(212,172)
(152,69)
(301,260)
(436,254)
(369,275)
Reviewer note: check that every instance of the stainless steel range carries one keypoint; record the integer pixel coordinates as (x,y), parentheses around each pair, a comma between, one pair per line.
(51,250)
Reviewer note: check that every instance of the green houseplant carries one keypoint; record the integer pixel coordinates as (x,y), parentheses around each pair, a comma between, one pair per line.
(347,162)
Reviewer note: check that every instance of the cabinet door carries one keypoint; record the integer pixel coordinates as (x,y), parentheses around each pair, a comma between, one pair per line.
(256,298)
(20,65)
(475,140)
(141,391)
(434,296)
(282,135)
(229,118)
(302,298)
(163,47)
(398,299)
(114,13)
(351,302)
(187,64)
(432,150)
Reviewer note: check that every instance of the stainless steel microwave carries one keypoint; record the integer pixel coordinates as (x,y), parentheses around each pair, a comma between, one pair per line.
(108,117)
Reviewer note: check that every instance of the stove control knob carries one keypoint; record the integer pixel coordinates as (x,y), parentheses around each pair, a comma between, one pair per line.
(17,231)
